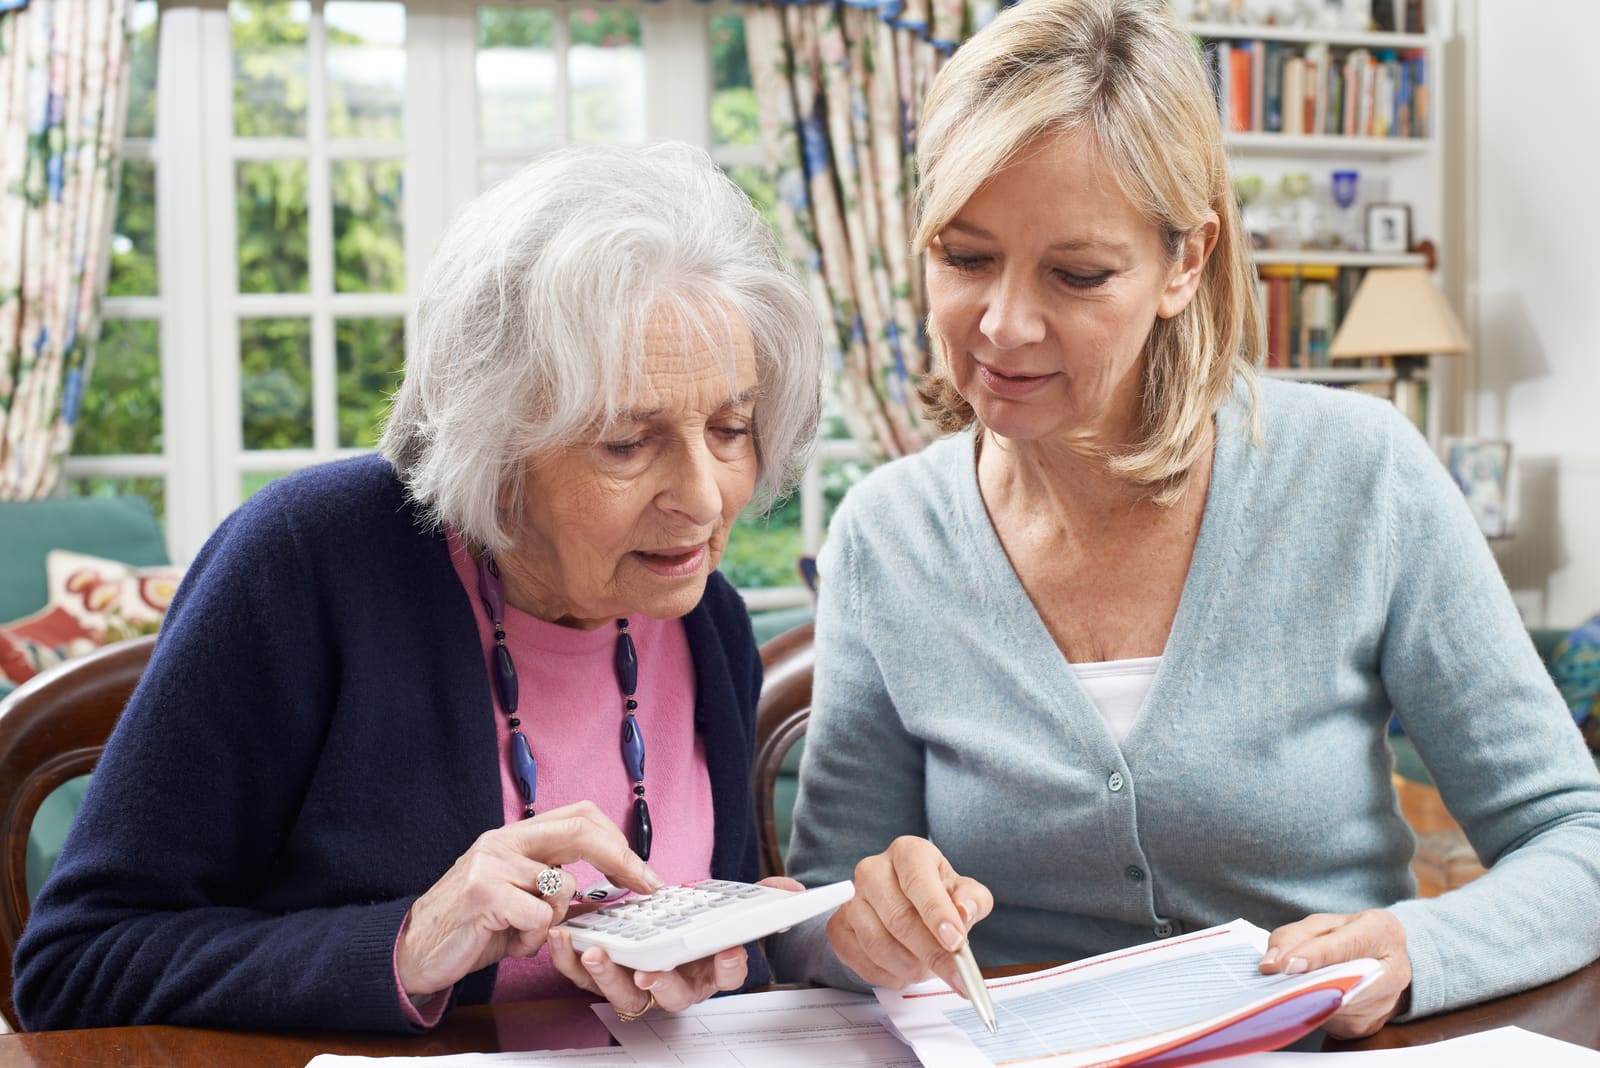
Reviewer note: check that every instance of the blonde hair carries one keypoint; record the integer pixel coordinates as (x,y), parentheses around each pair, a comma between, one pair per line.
(1123,71)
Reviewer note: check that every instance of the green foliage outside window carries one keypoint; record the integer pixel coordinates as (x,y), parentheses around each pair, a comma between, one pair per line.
(121,411)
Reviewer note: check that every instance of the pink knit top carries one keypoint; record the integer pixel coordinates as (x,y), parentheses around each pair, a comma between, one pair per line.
(571,712)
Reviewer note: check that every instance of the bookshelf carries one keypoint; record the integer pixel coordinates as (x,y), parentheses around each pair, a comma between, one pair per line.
(1313,102)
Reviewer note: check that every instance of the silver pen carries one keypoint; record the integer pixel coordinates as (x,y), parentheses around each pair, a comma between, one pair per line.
(977,991)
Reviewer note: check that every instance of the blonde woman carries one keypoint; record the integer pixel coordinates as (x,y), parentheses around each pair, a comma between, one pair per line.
(1188,600)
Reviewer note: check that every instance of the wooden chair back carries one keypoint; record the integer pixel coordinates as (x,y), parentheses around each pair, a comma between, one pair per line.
(781,716)
(52,729)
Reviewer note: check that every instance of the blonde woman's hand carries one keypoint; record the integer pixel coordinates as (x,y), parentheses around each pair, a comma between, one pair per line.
(910,912)
(1331,938)
(487,906)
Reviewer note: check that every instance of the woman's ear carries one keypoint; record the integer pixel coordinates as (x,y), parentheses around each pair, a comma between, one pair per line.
(1189,266)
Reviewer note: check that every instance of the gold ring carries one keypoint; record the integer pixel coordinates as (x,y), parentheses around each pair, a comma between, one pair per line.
(549,882)
(629,1017)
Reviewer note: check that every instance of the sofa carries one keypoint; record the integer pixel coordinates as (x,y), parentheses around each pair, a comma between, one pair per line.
(121,529)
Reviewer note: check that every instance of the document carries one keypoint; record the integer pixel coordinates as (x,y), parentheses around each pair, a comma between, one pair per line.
(774,1029)
(1199,996)
(1486,1049)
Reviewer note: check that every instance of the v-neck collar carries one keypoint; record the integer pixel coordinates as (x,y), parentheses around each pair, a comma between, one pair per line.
(1030,639)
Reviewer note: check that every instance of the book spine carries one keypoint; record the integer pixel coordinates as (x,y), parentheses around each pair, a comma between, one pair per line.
(1239,90)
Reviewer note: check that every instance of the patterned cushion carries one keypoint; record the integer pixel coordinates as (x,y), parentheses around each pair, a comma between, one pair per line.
(115,599)
(1576,669)
(42,640)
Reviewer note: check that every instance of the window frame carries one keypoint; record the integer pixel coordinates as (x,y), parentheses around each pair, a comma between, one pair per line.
(199,308)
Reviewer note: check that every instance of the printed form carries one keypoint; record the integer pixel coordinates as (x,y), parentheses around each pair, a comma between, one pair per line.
(1130,1005)
(774,1029)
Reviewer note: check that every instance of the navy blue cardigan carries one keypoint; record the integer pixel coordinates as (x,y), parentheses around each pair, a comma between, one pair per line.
(308,751)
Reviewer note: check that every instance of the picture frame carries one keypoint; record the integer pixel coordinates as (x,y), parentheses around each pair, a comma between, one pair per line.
(1388,227)
(1481,468)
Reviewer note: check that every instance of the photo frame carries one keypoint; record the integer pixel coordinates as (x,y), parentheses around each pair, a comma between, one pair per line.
(1388,227)
(1481,467)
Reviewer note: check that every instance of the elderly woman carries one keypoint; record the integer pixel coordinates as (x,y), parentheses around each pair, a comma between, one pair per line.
(400,709)
(1193,597)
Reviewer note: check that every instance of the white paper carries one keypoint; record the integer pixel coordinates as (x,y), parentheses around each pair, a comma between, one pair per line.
(1107,1008)
(1486,1049)
(600,1057)
(772,1029)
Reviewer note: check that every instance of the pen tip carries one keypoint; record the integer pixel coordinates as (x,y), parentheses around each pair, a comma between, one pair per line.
(994,1028)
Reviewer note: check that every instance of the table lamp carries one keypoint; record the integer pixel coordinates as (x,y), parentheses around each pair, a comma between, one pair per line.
(1398,312)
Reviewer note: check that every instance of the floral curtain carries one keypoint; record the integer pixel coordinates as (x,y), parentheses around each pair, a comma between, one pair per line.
(63,86)
(839,88)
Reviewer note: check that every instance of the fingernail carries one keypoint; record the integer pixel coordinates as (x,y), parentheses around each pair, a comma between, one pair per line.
(655,882)
(1295,966)
(949,937)
(1272,954)
(594,964)
(969,912)
(642,984)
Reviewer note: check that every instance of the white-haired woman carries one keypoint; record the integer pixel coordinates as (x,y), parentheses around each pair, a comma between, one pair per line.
(1191,599)
(400,708)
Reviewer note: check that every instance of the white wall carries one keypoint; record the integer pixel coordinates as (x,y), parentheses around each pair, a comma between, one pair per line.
(1533,286)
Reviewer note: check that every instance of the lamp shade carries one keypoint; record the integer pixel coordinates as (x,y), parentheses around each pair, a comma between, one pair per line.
(1398,311)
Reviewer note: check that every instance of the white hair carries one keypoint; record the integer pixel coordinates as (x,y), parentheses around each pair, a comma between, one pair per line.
(529,333)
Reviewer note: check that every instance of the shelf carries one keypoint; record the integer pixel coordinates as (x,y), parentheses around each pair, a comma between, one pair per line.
(1228,31)
(1334,374)
(1330,145)
(1339,258)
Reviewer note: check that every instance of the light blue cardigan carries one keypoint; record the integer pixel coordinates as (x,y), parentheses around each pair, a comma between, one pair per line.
(1337,573)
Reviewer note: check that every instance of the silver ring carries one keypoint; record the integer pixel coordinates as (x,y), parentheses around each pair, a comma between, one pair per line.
(549,882)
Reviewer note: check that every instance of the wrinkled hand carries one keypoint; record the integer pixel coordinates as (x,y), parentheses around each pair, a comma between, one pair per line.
(910,912)
(1328,938)
(486,906)
(674,991)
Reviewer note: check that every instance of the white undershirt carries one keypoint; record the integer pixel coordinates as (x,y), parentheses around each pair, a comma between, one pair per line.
(1117,688)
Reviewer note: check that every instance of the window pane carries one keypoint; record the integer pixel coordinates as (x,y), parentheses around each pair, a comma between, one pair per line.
(141,70)
(270,67)
(764,551)
(133,243)
(272,227)
(371,353)
(837,478)
(516,77)
(151,489)
(733,101)
(366,68)
(369,254)
(605,69)
(275,383)
(121,411)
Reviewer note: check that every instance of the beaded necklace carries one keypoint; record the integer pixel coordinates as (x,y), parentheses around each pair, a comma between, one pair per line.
(524,771)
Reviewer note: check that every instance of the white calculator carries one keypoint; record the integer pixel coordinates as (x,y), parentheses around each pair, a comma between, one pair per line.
(678,924)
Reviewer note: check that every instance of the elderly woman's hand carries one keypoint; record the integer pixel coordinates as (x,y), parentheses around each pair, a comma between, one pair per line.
(1329,938)
(910,912)
(486,906)
(633,992)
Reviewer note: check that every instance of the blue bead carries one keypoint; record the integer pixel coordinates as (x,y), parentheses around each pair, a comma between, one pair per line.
(523,767)
(642,831)
(627,664)
(632,748)
(505,679)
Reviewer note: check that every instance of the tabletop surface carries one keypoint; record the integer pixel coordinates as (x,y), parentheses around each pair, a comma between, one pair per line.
(1564,1009)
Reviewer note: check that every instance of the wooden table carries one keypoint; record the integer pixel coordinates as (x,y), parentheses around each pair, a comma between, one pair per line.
(1564,1009)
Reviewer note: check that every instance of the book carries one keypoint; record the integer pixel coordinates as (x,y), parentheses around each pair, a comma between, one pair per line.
(1192,998)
